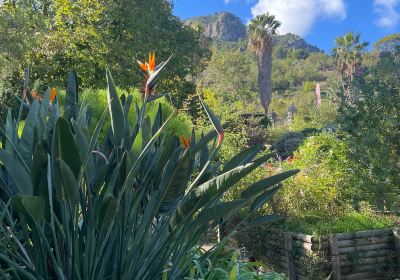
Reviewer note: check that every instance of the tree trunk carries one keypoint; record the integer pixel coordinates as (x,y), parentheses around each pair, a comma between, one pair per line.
(264,76)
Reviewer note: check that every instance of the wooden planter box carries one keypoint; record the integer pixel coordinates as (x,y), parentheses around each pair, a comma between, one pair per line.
(367,255)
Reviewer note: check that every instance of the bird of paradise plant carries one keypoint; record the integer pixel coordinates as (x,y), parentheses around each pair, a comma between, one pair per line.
(74,205)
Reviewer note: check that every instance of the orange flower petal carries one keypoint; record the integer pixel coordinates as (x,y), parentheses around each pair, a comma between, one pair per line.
(143,66)
(152,61)
(185,141)
(53,94)
(221,136)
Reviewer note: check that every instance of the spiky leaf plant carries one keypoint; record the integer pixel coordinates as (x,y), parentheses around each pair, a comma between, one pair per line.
(129,205)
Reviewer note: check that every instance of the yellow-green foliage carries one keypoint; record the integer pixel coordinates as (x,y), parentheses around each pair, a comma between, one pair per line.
(320,189)
(97,100)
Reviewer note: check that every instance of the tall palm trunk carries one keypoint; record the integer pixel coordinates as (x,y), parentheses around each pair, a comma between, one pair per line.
(264,75)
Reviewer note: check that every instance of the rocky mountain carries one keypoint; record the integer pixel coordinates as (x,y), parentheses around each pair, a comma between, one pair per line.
(223,26)
(228,27)
(293,41)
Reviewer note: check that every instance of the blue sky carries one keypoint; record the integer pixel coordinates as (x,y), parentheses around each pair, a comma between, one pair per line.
(319,21)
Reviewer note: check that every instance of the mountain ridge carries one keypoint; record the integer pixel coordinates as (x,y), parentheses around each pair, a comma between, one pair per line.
(225,26)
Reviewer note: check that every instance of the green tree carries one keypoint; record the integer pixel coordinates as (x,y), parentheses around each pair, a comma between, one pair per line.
(91,35)
(373,129)
(348,54)
(261,30)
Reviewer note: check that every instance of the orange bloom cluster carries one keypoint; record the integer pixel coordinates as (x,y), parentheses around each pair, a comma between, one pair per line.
(150,65)
(185,141)
(53,94)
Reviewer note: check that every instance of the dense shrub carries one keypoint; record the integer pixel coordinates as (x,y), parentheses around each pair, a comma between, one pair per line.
(322,188)
(373,129)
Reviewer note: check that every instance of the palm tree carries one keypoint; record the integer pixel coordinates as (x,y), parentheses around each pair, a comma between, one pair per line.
(348,54)
(261,30)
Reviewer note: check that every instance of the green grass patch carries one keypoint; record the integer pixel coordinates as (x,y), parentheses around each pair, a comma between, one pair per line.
(349,222)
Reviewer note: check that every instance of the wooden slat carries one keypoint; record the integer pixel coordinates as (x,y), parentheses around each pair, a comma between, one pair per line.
(370,254)
(366,261)
(289,255)
(335,257)
(310,238)
(364,234)
(360,268)
(364,241)
(360,276)
(396,237)
(313,247)
(364,248)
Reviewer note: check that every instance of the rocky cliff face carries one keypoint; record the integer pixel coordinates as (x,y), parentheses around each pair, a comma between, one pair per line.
(222,26)
(293,41)
(228,27)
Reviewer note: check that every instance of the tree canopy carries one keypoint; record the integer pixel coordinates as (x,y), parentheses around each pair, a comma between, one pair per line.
(55,37)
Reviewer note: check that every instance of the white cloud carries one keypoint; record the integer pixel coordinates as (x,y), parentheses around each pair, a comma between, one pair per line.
(388,12)
(298,16)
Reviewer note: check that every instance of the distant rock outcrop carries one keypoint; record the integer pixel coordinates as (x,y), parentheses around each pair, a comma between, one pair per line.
(223,26)
(293,41)
(228,27)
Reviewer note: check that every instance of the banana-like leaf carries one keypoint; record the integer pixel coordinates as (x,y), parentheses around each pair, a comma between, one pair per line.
(65,147)
(68,182)
(45,104)
(71,97)
(242,158)
(17,172)
(116,111)
(26,143)
(214,120)
(10,133)
(175,177)
(107,211)
(218,211)
(83,149)
(261,220)
(212,189)
(263,184)
(39,171)
(263,198)
(30,206)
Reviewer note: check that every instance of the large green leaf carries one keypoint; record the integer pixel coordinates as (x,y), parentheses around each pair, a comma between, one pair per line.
(214,120)
(30,206)
(116,111)
(26,143)
(39,171)
(107,212)
(263,198)
(212,190)
(71,97)
(17,172)
(241,158)
(66,178)
(218,211)
(266,219)
(65,147)
(175,178)
(263,184)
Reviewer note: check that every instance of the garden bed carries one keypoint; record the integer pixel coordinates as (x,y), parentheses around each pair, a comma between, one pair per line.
(366,255)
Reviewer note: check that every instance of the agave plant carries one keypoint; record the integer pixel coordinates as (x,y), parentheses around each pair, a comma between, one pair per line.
(129,206)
